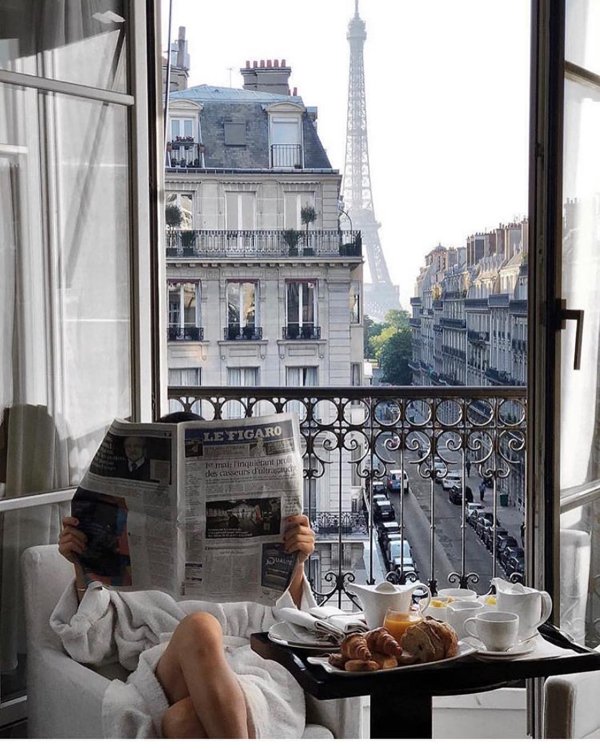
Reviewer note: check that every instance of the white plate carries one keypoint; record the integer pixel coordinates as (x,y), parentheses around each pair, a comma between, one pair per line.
(519,649)
(464,649)
(280,633)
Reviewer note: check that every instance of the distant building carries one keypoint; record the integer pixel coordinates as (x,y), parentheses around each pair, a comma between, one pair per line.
(469,324)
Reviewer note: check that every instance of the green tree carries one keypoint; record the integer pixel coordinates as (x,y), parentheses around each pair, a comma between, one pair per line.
(394,356)
(397,319)
(370,330)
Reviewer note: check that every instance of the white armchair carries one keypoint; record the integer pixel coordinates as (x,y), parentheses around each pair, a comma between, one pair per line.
(64,697)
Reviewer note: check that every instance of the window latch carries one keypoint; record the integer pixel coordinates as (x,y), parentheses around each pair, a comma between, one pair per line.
(564,314)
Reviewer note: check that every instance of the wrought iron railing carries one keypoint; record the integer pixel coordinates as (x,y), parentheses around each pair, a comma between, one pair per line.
(185,333)
(243,333)
(351,437)
(286,155)
(254,243)
(301,331)
(184,154)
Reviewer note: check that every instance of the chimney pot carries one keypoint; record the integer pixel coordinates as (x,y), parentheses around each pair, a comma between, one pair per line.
(255,64)
(247,63)
(295,91)
(269,63)
(276,63)
(283,65)
(262,63)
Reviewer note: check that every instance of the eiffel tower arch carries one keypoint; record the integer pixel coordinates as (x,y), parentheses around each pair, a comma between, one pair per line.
(380,295)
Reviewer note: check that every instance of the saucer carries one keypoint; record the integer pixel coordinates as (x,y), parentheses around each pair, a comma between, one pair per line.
(519,649)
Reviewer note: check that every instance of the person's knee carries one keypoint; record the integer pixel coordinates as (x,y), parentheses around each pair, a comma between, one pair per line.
(200,632)
(181,722)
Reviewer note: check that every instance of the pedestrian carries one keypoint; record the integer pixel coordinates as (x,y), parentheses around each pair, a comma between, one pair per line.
(481,491)
(468,494)
(468,467)
(523,534)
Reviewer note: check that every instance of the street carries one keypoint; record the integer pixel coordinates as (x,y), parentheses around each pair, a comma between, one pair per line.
(416,508)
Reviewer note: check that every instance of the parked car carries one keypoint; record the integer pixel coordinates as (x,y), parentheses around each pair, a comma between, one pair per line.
(440,468)
(471,512)
(396,479)
(385,529)
(506,549)
(483,524)
(515,562)
(400,556)
(488,539)
(387,539)
(378,487)
(455,494)
(383,510)
(451,479)
(479,514)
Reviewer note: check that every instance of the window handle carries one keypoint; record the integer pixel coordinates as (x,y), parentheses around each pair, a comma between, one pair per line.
(577,315)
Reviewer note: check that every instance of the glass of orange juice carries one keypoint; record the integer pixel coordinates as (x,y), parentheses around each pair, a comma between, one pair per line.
(398,622)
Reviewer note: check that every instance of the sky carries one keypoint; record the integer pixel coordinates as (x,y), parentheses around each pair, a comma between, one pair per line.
(447,89)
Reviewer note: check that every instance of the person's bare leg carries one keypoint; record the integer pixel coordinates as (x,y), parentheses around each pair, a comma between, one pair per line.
(194,665)
(180,722)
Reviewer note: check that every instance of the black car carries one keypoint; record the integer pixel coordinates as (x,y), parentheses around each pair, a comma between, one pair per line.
(515,562)
(483,524)
(455,495)
(489,538)
(505,548)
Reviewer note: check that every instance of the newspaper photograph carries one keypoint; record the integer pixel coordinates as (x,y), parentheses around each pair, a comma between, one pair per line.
(195,509)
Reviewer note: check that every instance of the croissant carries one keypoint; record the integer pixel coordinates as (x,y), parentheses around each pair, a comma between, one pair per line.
(355,647)
(382,641)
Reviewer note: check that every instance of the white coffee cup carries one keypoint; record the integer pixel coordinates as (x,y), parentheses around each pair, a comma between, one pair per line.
(498,631)
(457,593)
(461,610)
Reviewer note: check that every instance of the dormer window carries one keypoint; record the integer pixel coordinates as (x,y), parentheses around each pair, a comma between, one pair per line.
(285,136)
(182,127)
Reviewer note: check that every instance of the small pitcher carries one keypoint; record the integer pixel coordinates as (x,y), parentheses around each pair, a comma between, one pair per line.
(532,606)
(377,599)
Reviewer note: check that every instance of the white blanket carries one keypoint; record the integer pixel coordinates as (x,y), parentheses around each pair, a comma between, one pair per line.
(134,628)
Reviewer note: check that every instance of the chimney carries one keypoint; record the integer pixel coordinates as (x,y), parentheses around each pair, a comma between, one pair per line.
(271,76)
(183,59)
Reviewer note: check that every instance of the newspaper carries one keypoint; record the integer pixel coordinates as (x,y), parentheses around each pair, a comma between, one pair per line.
(195,508)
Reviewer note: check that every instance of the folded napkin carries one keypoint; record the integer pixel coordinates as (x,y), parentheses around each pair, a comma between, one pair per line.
(334,626)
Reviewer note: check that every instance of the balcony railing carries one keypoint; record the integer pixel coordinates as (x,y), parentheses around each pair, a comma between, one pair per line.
(187,333)
(351,437)
(499,376)
(286,155)
(452,323)
(184,154)
(243,333)
(453,351)
(301,331)
(260,243)
(478,338)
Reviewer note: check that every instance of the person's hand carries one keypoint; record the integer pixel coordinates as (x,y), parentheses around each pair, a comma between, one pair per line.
(299,537)
(71,541)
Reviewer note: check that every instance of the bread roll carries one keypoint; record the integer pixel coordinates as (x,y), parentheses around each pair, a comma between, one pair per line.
(384,661)
(430,640)
(358,665)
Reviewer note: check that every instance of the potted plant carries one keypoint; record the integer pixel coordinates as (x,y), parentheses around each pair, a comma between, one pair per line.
(291,237)
(308,215)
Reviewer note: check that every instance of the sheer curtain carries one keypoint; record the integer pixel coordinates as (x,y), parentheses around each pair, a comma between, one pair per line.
(65,365)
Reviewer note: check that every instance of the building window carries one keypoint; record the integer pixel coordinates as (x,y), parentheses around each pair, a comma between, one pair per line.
(301,310)
(286,141)
(242,309)
(241,377)
(182,127)
(354,302)
(184,311)
(240,208)
(185,376)
(292,207)
(184,217)
(296,377)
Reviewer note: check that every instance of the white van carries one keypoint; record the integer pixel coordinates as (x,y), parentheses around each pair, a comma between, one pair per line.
(399,552)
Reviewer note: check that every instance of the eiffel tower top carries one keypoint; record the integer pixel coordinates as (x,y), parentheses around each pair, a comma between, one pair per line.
(357,27)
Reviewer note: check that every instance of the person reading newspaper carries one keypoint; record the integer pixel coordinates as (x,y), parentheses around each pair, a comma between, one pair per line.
(193,673)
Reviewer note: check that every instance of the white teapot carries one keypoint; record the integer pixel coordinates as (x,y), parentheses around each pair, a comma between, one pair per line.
(376,599)
(532,606)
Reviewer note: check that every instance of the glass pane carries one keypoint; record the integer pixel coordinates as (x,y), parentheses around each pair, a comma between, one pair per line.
(293,303)
(189,304)
(65,369)
(233,304)
(308,302)
(68,41)
(248,303)
(582,34)
(580,394)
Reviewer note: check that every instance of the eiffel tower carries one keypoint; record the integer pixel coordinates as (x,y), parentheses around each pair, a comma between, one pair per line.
(380,295)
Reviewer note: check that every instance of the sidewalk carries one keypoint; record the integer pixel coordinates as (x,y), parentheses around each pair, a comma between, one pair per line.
(510,517)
